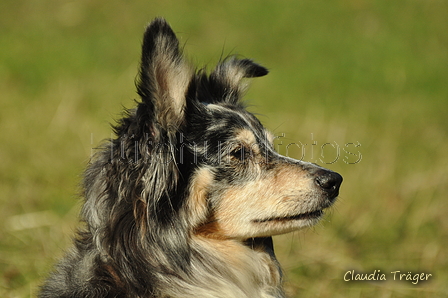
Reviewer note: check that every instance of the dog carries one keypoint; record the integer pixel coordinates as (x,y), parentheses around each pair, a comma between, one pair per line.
(185,200)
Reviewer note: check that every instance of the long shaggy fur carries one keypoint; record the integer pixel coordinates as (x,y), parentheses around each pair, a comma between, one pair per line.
(184,201)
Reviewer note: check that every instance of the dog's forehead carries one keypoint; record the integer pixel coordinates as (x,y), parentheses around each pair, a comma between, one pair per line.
(237,114)
(244,124)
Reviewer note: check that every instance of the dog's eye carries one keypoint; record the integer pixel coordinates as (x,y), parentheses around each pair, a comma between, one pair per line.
(238,153)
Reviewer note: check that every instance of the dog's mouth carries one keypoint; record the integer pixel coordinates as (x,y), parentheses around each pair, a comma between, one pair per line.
(302,216)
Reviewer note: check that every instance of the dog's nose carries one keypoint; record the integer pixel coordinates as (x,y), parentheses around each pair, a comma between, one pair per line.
(329,182)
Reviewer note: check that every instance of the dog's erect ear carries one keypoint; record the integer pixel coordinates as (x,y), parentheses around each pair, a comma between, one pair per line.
(164,75)
(225,80)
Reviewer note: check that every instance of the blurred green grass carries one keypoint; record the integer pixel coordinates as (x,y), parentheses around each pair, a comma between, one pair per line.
(342,72)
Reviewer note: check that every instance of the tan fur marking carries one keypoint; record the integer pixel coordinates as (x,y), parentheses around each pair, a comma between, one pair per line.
(212,230)
(114,275)
(247,139)
(197,201)
(246,136)
(269,136)
(140,216)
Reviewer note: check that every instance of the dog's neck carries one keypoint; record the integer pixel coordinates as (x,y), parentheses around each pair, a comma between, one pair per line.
(232,268)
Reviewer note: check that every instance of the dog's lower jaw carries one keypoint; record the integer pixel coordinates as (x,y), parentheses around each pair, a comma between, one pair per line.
(273,226)
(306,216)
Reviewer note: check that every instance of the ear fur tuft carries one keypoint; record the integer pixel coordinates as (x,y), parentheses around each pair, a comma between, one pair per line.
(252,69)
(226,78)
(164,74)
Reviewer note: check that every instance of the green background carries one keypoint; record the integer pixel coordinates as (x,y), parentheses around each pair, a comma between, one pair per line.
(342,73)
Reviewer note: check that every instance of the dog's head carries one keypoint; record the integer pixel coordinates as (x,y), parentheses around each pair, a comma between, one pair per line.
(190,156)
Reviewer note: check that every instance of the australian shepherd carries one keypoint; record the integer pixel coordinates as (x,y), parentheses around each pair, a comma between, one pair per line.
(183,202)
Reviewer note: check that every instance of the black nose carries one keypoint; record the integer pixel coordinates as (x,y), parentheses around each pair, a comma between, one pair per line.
(329,182)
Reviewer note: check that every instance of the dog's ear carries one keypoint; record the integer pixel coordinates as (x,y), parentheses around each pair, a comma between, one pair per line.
(164,75)
(225,82)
